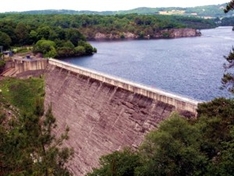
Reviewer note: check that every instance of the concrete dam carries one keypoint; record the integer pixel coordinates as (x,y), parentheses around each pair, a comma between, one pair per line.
(104,113)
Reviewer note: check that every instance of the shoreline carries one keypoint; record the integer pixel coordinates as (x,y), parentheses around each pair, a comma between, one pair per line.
(161,34)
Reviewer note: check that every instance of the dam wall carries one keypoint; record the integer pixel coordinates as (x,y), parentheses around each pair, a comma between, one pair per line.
(23,65)
(104,113)
(20,66)
(180,103)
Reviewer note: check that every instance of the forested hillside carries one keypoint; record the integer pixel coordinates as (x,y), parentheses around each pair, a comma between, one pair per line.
(43,34)
(227,21)
(66,30)
(140,25)
(208,11)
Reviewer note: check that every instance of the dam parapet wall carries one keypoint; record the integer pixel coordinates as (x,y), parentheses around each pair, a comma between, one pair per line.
(181,104)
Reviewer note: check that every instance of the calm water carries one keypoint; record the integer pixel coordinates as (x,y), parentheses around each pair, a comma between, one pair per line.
(191,67)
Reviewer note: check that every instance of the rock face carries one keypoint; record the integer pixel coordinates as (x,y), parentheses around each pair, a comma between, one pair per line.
(124,35)
(177,33)
(165,33)
(101,117)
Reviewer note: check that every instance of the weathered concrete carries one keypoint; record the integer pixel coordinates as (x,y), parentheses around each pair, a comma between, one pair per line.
(20,66)
(104,113)
(180,103)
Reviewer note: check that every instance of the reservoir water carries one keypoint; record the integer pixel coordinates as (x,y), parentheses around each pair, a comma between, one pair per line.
(191,67)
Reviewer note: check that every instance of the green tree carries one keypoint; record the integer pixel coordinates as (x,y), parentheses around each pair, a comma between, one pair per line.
(8,27)
(74,36)
(216,122)
(22,35)
(64,52)
(66,49)
(60,33)
(80,50)
(69,44)
(226,165)
(43,32)
(33,37)
(89,50)
(119,163)
(173,149)
(28,146)
(46,47)
(5,40)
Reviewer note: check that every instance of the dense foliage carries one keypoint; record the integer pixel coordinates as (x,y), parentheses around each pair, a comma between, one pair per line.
(140,25)
(28,29)
(202,146)
(227,21)
(121,163)
(27,145)
(59,41)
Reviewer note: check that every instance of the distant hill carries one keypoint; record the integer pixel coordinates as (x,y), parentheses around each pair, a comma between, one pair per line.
(209,11)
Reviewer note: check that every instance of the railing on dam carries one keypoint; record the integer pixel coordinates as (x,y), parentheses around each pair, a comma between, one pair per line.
(180,103)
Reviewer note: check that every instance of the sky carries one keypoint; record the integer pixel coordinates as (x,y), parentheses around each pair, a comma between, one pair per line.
(99,5)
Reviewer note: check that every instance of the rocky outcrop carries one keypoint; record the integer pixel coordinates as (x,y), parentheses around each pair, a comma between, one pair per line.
(177,33)
(124,35)
(165,33)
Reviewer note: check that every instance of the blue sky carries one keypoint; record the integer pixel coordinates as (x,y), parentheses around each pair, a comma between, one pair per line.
(99,5)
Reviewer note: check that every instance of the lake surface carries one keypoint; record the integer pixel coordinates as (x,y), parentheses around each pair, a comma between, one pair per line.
(192,67)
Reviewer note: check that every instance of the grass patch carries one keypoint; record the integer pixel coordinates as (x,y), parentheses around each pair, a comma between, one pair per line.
(22,49)
(22,93)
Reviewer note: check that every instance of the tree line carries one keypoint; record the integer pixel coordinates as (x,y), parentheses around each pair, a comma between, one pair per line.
(27,29)
(140,25)
(50,40)
(212,11)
